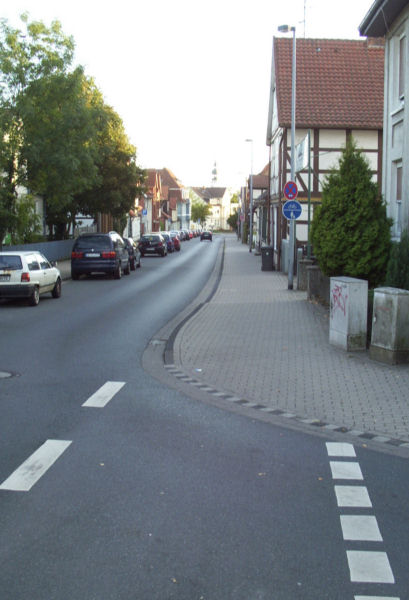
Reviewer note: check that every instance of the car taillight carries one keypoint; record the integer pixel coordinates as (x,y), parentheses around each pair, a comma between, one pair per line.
(108,255)
(77,254)
(25,277)
(160,245)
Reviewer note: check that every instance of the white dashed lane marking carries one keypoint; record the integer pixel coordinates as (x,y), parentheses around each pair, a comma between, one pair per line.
(23,478)
(338,449)
(365,566)
(104,394)
(369,567)
(352,496)
(360,527)
(345,470)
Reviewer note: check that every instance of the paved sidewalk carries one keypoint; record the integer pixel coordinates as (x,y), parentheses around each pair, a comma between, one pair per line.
(258,341)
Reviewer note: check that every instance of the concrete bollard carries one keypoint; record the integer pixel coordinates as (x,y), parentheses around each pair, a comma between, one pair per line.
(318,285)
(302,280)
(348,313)
(390,326)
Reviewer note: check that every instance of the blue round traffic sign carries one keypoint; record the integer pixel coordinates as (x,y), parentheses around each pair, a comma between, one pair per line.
(291,190)
(292,209)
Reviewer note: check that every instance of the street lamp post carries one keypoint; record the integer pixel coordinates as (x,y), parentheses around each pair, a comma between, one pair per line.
(286,29)
(251,197)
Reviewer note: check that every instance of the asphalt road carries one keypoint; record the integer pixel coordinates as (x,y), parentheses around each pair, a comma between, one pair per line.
(151,494)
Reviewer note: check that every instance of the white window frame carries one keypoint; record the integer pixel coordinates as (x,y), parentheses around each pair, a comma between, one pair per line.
(402,62)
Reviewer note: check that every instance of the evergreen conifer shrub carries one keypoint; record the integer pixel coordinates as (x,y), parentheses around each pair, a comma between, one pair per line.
(350,231)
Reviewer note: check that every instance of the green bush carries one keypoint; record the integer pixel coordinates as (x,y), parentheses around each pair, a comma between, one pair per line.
(350,230)
(397,274)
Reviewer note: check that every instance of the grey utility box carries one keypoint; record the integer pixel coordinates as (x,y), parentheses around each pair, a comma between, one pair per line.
(390,326)
(267,258)
(348,313)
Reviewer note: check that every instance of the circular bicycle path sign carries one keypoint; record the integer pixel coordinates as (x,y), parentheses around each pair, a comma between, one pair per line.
(292,209)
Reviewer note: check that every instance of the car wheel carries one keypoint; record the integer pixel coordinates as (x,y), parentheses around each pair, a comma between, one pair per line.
(118,272)
(56,293)
(127,269)
(133,265)
(35,297)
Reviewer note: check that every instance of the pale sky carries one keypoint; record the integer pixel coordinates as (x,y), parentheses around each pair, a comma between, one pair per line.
(190,79)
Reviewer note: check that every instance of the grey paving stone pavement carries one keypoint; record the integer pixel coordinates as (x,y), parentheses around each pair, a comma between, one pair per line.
(257,341)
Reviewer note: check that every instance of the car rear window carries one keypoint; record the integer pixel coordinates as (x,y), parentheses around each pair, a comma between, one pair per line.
(8,261)
(149,238)
(101,242)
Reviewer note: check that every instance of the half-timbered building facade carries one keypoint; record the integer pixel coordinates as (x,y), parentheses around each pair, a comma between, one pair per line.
(339,93)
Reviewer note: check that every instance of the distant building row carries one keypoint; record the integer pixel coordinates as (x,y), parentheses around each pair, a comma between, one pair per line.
(166,205)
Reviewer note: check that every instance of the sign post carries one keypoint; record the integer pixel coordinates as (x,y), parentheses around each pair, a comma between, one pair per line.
(291,193)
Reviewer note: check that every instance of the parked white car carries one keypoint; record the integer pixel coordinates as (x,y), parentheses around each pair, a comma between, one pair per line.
(28,275)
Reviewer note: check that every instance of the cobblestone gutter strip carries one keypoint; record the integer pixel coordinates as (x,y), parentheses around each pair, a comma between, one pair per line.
(316,423)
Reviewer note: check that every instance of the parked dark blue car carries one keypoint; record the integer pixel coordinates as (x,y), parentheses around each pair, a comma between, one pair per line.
(99,253)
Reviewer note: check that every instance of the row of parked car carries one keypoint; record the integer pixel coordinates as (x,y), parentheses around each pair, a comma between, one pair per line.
(28,274)
(167,241)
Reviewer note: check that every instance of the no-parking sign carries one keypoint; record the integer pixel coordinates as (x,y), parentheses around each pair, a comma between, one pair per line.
(290,190)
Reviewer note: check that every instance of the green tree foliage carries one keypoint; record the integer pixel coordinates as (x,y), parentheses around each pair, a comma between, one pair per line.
(28,224)
(350,231)
(200,211)
(25,57)
(59,145)
(58,138)
(232,220)
(397,274)
(119,179)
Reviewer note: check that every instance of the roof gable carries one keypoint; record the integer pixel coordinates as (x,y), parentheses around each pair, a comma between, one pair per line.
(339,83)
(210,193)
(380,17)
(169,179)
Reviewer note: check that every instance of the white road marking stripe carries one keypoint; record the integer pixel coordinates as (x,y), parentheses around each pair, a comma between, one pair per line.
(338,449)
(360,527)
(375,598)
(345,470)
(369,567)
(353,496)
(23,478)
(104,394)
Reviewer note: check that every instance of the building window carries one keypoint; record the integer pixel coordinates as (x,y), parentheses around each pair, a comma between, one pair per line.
(399,182)
(402,66)
(398,198)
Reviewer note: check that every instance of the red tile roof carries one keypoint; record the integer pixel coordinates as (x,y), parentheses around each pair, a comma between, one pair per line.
(169,179)
(339,83)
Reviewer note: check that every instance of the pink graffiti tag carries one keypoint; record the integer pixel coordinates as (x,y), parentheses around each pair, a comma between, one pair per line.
(339,300)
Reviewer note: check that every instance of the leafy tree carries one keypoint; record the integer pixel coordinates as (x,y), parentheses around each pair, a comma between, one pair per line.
(25,56)
(59,145)
(59,138)
(232,220)
(28,222)
(119,179)
(200,211)
(350,231)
